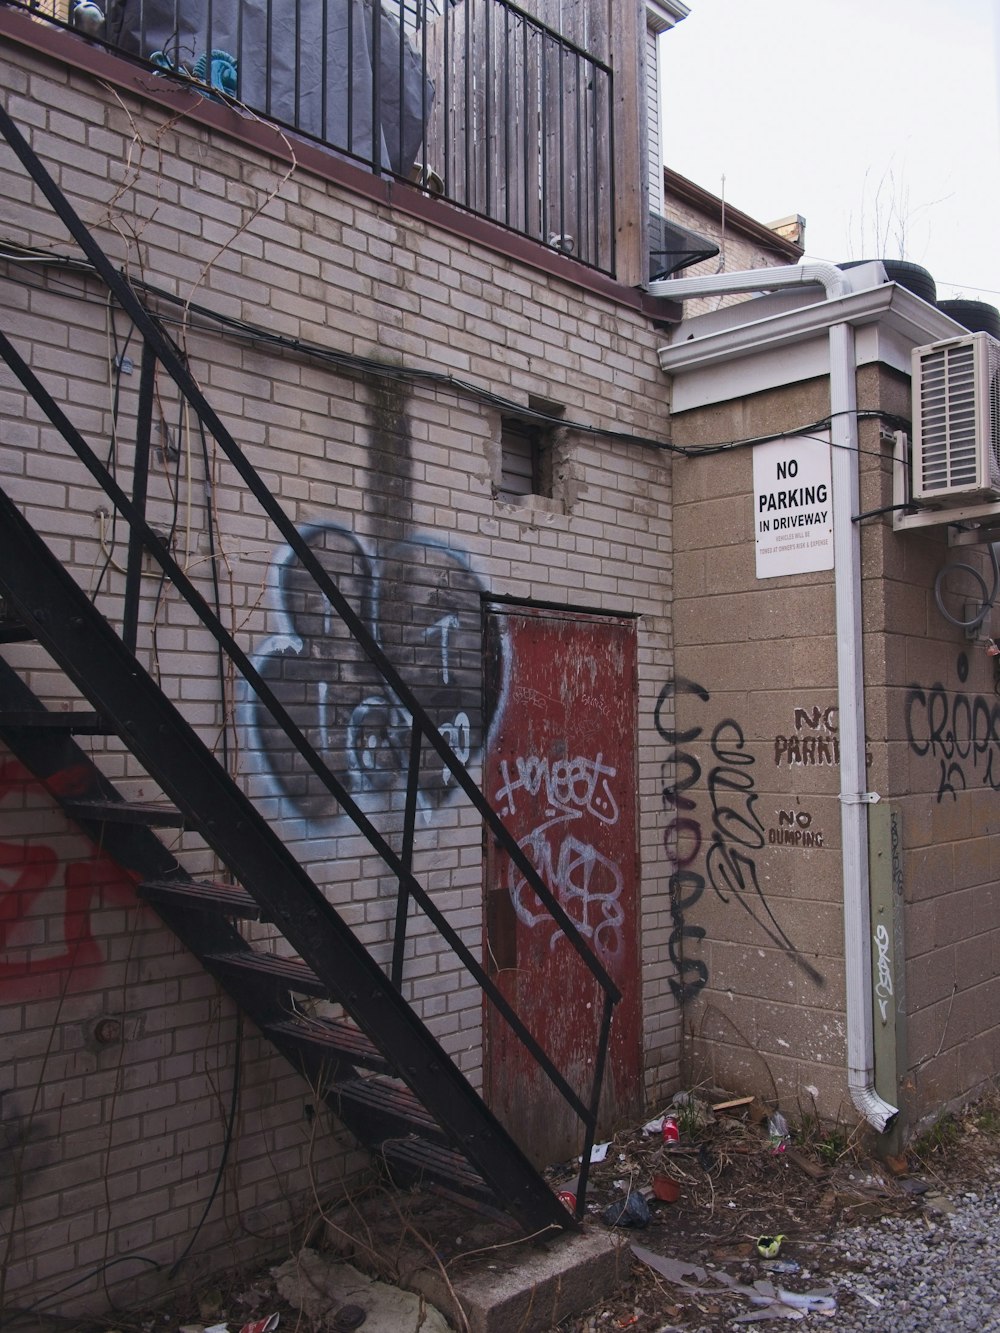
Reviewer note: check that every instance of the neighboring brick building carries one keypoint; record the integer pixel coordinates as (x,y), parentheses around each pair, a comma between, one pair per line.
(404,476)
(740,241)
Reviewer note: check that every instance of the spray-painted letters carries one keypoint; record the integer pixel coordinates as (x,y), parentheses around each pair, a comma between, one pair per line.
(587,883)
(421,602)
(682,842)
(883,987)
(47,906)
(737,834)
(960,732)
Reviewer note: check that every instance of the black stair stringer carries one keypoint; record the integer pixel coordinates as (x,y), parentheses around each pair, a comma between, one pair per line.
(47,599)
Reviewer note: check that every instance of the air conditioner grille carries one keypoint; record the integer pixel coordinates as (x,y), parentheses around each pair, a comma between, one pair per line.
(957,419)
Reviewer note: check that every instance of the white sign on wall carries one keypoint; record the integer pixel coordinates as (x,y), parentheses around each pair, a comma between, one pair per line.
(793,506)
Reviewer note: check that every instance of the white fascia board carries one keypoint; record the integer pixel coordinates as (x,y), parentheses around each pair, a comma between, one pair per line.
(714,365)
(663,14)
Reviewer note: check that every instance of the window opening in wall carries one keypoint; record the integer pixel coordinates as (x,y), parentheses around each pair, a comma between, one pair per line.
(525,459)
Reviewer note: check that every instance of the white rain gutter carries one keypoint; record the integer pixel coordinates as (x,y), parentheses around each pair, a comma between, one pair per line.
(850,663)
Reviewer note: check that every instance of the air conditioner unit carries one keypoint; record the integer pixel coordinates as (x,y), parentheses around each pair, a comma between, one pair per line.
(956,420)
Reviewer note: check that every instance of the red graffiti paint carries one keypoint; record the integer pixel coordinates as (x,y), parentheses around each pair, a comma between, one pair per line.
(39,889)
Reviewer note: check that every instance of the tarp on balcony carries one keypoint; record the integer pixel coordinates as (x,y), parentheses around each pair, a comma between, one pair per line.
(314,65)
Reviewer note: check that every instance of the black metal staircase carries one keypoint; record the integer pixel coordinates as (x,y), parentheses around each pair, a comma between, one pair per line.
(378,1067)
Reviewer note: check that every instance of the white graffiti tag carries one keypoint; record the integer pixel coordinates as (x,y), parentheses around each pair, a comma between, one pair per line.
(883,990)
(570,786)
(458,734)
(587,885)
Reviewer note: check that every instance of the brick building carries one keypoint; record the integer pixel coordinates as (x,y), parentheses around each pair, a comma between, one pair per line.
(346,537)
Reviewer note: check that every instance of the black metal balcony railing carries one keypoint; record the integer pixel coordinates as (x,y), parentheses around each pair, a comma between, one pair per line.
(474,100)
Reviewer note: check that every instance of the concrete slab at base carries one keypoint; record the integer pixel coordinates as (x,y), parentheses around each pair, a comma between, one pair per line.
(534,1288)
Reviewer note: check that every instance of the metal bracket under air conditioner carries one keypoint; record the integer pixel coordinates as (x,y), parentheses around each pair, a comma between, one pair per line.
(968,525)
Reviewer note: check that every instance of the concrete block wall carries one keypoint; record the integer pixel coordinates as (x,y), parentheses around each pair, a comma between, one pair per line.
(392,478)
(937,757)
(757,891)
(758,925)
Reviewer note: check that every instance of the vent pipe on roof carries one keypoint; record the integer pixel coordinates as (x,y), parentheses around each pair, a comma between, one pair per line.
(850,664)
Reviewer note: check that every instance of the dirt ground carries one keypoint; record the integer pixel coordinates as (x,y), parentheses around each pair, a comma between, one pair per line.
(738,1179)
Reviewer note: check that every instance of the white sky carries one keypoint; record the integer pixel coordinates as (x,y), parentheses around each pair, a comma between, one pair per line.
(877,120)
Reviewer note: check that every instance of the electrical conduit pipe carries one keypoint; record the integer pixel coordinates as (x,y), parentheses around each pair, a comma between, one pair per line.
(850,664)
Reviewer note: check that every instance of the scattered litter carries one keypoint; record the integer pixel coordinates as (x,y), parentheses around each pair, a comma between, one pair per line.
(778,1132)
(938,1203)
(678,1272)
(598,1152)
(349,1317)
(632,1211)
(262,1325)
(872,1300)
(654,1126)
(769,1247)
(734,1104)
(670,1131)
(781,1266)
(810,1302)
(771,1312)
(775,1302)
(914,1186)
(666,1189)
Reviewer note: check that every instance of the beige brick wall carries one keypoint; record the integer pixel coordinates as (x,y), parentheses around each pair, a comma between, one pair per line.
(759,923)
(123,1141)
(763,985)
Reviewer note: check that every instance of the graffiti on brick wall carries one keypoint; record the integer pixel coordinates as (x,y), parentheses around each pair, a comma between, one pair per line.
(958,732)
(422,603)
(682,842)
(47,905)
(734,836)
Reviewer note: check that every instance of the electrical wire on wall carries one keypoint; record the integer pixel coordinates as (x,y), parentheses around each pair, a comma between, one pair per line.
(985,598)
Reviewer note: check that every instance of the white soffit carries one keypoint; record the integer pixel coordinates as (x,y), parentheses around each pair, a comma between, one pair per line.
(663,14)
(735,352)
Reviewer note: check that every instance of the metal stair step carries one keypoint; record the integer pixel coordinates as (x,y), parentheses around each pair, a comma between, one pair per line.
(76,723)
(389,1108)
(293,973)
(417,1162)
(203,895)
(12,631)
(153,814)
(338,1039)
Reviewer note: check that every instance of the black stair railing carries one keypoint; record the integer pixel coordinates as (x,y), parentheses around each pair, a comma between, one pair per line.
(145,541)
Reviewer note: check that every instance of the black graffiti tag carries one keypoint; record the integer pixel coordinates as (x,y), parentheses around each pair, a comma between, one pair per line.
(738,832)
(421,602)
(960,731)
(682,843)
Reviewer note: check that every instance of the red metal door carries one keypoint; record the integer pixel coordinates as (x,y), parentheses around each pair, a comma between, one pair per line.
(560,771)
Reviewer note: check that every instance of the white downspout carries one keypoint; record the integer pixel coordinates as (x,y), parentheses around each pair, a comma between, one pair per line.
(850,663)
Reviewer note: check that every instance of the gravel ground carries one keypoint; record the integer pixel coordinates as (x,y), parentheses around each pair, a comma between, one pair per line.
(937,1270)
